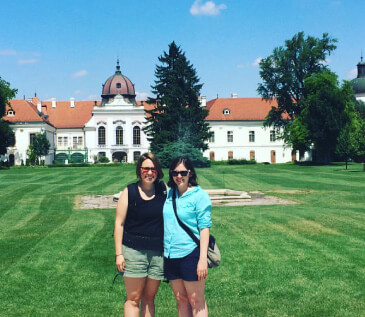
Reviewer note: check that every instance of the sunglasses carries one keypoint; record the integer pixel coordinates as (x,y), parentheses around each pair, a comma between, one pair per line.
(182,173)
(145,170)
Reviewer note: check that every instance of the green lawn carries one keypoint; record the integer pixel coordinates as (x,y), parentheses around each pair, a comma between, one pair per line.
(286,260)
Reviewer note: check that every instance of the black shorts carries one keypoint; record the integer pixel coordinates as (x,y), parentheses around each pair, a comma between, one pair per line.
(183,268)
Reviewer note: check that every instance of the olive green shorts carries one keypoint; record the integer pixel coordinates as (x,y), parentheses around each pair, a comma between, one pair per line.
(142,263)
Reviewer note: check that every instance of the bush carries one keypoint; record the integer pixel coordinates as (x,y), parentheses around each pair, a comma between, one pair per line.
(241,162)
(173,150)
(69,165)
(103,159)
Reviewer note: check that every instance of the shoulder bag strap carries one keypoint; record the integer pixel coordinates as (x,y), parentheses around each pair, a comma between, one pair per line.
(182,225)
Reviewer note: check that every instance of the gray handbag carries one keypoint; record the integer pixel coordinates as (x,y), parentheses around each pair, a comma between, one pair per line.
(214,255)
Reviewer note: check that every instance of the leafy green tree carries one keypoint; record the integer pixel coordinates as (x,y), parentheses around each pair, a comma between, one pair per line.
(7,137)
(32,158)
(284,73)
(347,142)
(39,148)
(297,135)
(360,108)
(177,115)
(360,139)
(328,108)
(6,133)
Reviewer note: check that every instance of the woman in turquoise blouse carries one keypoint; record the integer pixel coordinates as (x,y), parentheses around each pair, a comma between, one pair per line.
(185,263)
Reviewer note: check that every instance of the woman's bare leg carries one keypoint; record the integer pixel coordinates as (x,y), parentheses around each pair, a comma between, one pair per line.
(195,292)
(148,298)
(183,305)
(134,289)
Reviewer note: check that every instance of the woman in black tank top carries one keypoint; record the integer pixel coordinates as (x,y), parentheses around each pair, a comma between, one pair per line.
(138,236)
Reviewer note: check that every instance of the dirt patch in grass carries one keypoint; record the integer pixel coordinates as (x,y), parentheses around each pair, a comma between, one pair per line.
(106,201)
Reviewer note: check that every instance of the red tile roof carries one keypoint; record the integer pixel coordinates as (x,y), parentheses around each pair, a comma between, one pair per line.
(63,116)
(24,110)
(240,108)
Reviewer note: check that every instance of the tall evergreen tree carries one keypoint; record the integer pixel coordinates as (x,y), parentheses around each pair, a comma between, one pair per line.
(177,115)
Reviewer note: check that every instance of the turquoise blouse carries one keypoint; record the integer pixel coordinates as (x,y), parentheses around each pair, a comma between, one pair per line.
(194,210)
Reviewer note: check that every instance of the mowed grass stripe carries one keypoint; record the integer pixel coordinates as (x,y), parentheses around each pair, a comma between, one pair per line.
(268,248)
(284,260)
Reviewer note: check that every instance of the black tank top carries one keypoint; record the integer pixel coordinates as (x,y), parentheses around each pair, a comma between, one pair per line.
(143,227)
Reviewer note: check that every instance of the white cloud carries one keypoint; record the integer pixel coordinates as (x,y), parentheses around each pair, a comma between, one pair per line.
(352,73)
(7,52)
(256,62)
(142,95)
(28,61)
(80,73)
(207,8)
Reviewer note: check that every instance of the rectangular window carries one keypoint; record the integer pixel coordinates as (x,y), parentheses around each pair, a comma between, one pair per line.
(79,140)
(31,138)
(65,141)
(74,143)
(229,136)
(59,141)
(272,136)
(212,138)
(136,156)
(251,136)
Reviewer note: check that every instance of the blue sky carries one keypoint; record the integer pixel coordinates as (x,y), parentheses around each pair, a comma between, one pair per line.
(69,48)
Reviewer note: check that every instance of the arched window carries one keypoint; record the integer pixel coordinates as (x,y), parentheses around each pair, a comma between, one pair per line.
(101,136)
(136,136)
(119,85)
(119,135)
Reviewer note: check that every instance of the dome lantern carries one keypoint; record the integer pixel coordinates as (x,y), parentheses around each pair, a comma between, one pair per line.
(358,84)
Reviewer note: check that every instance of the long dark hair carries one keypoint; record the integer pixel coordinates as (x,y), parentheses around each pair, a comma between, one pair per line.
(155,161)
(189,166)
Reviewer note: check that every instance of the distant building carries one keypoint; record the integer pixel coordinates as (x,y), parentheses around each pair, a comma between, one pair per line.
(80,131)
(238,131)
(358,84)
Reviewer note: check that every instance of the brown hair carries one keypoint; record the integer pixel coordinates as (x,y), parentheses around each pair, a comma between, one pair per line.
(189,166)
(155,161)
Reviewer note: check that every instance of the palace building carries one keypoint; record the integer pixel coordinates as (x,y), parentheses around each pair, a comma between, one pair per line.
(81,131)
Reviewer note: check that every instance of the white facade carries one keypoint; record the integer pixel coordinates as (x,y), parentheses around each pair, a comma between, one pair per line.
(24,133)
(246,140)
(121,122)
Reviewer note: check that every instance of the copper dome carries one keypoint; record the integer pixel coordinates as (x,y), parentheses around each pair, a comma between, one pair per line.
(118,84)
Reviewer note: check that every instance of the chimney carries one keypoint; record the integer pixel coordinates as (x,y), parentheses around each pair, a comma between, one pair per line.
(72,102)
(234,95)
(203,101)
(53,102)
(39,106)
